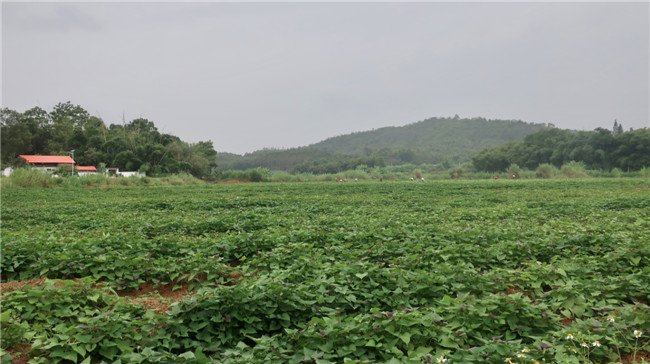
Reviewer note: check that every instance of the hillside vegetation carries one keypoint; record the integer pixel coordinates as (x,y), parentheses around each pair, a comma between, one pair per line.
(431,141)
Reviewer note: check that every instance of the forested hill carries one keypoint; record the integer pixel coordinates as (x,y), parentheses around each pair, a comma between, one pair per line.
(442,136)
(435,140)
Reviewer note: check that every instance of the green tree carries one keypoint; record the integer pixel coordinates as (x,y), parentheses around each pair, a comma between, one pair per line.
(15,137)
(68,121)
(633,151)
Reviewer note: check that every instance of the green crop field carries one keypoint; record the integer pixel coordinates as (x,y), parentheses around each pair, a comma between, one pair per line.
(554,271)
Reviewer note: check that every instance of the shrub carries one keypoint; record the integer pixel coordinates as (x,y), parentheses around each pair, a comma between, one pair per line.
(457,173)
(354,173)
(616,173)
(645,172)
(574,169)
(514,171)
(27,177)
(546,170)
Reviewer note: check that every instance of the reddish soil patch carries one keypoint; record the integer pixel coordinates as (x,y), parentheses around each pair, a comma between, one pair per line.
(514,289)
(12,286)
(236,277)
(641,357)
(166,295)
(234,263)
(20,353)
(568,321)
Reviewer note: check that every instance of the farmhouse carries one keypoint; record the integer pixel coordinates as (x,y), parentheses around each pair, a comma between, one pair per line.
(48,162)
(85,170)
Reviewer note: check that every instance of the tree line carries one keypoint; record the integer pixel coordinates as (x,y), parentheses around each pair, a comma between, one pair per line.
(600,149)
(133,146)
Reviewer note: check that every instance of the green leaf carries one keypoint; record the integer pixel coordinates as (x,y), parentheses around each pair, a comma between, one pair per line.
(422,350)
(188,355)
(64,354)
(79,349)
(83,338)
(405,337)
(448,343)
(5,315)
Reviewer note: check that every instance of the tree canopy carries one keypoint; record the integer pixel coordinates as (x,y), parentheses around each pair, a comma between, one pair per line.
(133,146)
(598,149)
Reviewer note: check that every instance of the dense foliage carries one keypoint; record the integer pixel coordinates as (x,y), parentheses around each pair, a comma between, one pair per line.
(436,140)
(598,149)
(467,271)
(133,146)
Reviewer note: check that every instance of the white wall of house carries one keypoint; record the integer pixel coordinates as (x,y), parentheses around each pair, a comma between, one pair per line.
(132,174)
(45,169)
(86,173)
(7,171)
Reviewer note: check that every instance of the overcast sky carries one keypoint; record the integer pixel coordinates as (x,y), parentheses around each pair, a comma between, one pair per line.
(280,75)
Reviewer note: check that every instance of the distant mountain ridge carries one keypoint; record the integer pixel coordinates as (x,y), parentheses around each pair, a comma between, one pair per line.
(431,141)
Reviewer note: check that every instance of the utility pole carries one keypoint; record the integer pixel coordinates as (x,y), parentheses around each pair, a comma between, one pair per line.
(72,165)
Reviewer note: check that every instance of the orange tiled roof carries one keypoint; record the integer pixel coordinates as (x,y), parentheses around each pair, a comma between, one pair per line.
(48,159)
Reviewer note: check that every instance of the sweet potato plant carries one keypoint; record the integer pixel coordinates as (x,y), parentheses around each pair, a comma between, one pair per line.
(521,271)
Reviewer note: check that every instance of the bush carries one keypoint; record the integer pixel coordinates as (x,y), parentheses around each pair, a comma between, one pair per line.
(27,177)
(514,171)
(616,173)
(546,170)
(354,173)
(457,173)
(574,169)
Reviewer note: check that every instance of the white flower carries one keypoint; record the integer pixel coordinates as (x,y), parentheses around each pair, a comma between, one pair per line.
(584,345)
(442,359)
(596,343)
(610,318)
(638,333)
(569,337)
(521,355)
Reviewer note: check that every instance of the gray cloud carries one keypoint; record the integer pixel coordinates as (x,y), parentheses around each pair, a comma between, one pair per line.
(253,75)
